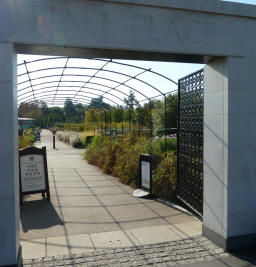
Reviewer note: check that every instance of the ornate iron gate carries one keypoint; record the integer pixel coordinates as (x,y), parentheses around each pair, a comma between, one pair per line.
(190,141)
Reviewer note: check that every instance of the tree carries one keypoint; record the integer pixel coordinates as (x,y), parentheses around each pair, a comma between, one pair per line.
(79,113)
(131,100)
(90,116)
(118,114)
(143,116)
(69,110)
(31,110)
(48,117)
(160,121)
(98,103)
(56,114)
(153,104)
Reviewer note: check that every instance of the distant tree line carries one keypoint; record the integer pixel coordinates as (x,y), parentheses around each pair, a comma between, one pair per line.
(159,114)
(97,111)
(48,116)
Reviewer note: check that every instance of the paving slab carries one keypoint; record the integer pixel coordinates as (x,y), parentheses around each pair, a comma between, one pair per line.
(153,235)
(70,184)
(75,201)
(89,171)
(86,215)
(74,228)
(142,223)
(71,244)
(75,191)
(114,239)
(68,245)
(93,178)
(133,212)
(122,199)
(101,183)
(185,230)
(113,190)
(34,248)
(67,178)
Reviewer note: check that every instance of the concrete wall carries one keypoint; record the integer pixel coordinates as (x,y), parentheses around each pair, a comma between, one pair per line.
(242,146)
(216,146)
(200,27)
(230,151)
(9,177)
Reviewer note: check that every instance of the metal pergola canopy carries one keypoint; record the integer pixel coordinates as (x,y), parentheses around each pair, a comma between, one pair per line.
(54,79)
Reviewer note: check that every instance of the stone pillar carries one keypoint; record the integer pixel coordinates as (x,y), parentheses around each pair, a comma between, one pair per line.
(9,175)
(230,152)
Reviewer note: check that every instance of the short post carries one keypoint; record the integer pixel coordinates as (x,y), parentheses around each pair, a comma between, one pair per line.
(53,138)
(151,121)
(122,122)
(20,132)
(110,124)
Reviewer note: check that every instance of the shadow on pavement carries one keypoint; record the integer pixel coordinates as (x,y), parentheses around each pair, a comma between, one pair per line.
(38,214)
(247,255)
(237,258)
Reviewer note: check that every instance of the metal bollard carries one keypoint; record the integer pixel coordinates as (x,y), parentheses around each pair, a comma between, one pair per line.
(53,138)
(53,141)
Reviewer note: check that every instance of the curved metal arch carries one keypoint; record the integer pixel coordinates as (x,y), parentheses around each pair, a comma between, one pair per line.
(101,95)
(46,100)
(77,75)
(27,109)
(137,67)
(95,69)
(111,71)
(105,60)
(42,59)
(154,72)
(100,84)
(25,98)
(67,96)
(71,86)
(60,101)
(60,79)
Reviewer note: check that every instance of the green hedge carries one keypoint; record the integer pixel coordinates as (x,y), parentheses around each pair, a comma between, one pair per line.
(120,157)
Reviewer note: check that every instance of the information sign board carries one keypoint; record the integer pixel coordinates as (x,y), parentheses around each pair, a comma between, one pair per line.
(146,172)
(33,172)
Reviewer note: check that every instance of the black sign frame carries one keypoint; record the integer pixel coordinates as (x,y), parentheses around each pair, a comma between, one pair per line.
(35,151)
(145,158)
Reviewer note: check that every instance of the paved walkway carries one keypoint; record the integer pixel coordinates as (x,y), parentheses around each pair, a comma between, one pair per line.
(93,220)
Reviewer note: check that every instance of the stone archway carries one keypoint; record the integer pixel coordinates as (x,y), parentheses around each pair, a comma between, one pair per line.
(220,34)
